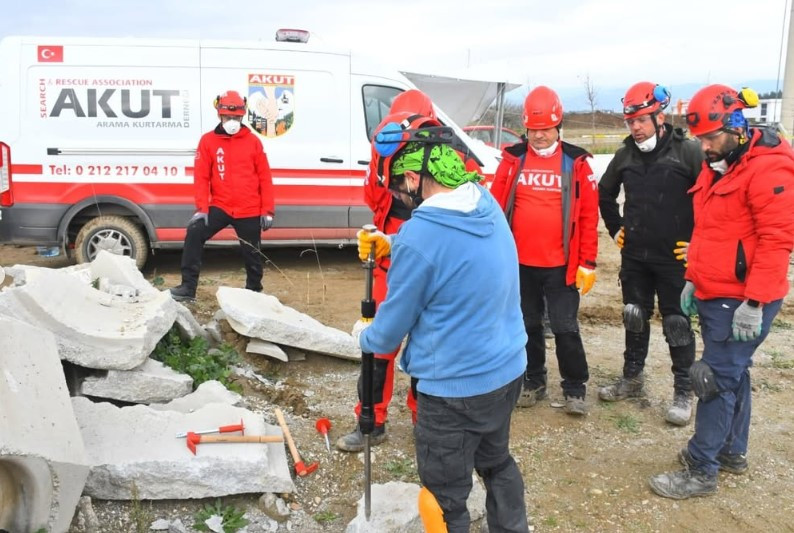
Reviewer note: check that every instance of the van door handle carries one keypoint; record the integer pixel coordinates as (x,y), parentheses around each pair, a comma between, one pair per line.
(362,162)
(331,160)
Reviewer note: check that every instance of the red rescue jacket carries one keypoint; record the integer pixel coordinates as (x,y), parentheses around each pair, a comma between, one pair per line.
(231,172)
(579,215)
(744,224)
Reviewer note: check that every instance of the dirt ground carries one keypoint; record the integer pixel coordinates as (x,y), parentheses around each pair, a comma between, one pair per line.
(585,474)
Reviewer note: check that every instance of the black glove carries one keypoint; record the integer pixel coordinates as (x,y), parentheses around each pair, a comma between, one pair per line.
(266,221)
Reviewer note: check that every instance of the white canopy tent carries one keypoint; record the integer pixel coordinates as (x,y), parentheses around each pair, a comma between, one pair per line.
(464,97)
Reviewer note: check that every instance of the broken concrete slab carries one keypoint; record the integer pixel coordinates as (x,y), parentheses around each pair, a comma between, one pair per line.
(151,382)
(260,347)
(395,508)
(120,270)
(262,316)
(137,444)
(93,329)
(188,326)
(208,392)
(43,464)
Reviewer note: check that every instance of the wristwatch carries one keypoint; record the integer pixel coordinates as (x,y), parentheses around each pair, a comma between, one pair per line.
(754,303)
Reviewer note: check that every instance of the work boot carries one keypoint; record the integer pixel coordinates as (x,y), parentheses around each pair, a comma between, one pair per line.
(681,410)
(183,293)
(354,441)
(623,388)
(683,484)
(530,397)
(733,463)
(575,406)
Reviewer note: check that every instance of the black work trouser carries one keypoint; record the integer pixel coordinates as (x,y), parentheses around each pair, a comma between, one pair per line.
(640,282)
(457,435)
(248,232)
(563,306)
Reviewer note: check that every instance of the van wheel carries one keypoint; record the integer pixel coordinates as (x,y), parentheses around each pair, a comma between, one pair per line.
(117,235)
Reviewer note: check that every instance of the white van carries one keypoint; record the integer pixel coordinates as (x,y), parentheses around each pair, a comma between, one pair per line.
(97,137)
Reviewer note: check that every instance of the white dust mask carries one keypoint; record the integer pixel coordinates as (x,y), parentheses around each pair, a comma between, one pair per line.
(231,126)
(647,145)
(720,166)
(545,152)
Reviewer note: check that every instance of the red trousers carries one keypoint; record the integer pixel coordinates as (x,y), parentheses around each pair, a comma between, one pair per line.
(383,372)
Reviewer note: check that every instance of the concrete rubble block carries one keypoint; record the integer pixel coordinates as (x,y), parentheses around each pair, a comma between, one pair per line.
(262,316)
(43,463)
(92,328)
(23,273)
(395,508)
(188,326)
(268,349)
(120,270)
(138,444)
(151,382)
(208,392)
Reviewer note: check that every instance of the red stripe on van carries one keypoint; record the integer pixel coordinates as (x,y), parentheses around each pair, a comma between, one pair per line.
(27,169)
(275,234)
(173,193)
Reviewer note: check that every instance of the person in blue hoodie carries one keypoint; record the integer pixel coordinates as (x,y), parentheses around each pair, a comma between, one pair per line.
(453,291)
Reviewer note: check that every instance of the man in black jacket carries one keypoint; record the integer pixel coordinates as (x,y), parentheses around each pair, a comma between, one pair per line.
(656,166)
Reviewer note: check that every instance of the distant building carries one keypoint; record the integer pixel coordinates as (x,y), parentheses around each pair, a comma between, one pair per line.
(768,110)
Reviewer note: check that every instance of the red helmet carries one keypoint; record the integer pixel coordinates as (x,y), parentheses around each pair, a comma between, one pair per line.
(395,131)
(542,109)
(413,101)
(230,103)
(718,106)
(644,98)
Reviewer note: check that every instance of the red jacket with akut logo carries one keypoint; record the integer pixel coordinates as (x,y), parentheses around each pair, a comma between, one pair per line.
(744,224)
(579,209)
(231,173)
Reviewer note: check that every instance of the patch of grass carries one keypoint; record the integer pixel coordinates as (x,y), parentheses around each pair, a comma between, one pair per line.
(627,423)
(401,468)
(781,324)
(140,517)
(780,361)
(551,521)
(232,517)
(196,360)
(324,517)
(765,385)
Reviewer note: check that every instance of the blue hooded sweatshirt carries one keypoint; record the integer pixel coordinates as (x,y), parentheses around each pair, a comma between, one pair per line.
(453,289)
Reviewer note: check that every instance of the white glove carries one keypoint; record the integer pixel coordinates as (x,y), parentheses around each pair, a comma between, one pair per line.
(199,216)
(359,327)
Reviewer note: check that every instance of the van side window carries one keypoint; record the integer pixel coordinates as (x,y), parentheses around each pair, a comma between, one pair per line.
(377,101)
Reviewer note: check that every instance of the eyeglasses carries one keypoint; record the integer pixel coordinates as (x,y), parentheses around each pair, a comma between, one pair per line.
(231,107)
(710,136)
(642,119)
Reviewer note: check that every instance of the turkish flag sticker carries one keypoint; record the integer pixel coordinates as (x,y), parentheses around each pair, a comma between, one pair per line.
(50,54)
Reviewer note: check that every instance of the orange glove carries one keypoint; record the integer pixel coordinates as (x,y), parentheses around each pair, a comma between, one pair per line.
(378,239)
(585,279)
(620,236)
(682,251)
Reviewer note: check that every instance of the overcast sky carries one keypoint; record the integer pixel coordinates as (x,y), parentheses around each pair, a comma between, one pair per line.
(552,42)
